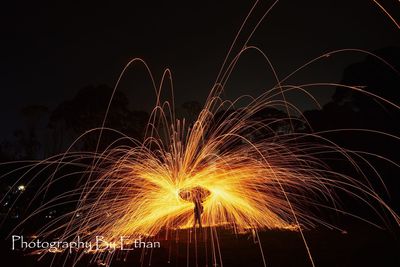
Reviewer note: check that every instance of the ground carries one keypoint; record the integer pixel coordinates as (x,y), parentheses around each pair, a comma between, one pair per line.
(360,246)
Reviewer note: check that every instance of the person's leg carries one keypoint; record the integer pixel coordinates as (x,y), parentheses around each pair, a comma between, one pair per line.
(195,218)
(199,218)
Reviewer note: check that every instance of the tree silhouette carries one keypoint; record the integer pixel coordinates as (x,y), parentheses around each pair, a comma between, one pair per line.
(27,143)
(87,110)
(352,109)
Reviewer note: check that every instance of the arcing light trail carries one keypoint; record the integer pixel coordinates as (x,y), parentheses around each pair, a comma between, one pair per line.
(258,172)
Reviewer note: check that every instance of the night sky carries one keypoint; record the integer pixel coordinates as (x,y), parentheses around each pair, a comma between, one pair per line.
(49,52)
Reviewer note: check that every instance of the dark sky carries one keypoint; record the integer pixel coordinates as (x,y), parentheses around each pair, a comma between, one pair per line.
(49,52)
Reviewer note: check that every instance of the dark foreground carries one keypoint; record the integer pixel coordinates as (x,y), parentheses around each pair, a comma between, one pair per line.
(362,246)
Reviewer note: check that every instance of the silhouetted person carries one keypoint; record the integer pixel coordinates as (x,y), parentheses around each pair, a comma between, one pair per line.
(198,210)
